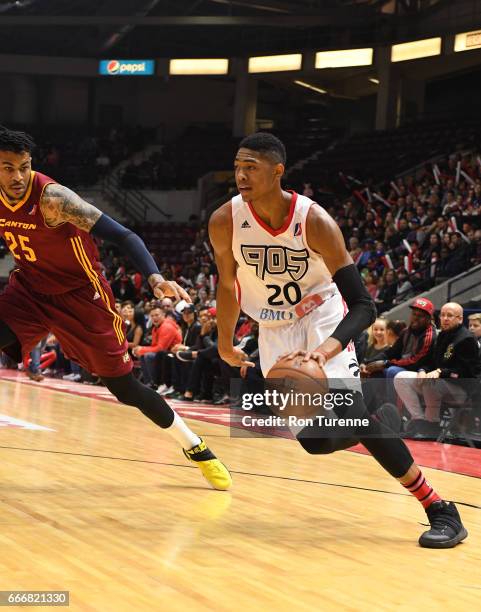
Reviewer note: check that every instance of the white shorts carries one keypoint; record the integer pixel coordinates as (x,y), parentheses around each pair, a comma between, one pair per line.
(308,334)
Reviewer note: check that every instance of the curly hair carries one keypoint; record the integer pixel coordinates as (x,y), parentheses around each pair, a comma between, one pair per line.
(15,142)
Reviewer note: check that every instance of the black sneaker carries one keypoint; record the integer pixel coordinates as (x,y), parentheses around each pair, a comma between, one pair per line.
(446,527)
(426,430)
(389,416)
(185,356)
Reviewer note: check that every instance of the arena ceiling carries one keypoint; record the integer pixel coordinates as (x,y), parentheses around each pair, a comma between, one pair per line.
(200,28)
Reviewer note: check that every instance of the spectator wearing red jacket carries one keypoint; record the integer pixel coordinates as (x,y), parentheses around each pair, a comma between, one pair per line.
(165,334)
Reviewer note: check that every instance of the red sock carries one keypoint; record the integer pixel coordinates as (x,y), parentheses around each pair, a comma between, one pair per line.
(422,490)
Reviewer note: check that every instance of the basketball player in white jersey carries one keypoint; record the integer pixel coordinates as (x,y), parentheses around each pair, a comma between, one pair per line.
(283,260)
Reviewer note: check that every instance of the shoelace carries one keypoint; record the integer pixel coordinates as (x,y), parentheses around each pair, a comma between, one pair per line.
(441,520)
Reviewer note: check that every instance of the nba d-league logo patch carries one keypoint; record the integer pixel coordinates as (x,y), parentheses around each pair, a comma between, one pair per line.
(297,229)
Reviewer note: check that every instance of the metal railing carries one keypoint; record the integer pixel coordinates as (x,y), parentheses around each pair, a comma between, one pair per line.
(132,203)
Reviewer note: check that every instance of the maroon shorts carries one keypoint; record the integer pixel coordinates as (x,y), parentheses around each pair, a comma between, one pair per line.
(84,321)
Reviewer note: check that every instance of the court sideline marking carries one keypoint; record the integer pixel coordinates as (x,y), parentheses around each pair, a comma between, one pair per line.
(238,472)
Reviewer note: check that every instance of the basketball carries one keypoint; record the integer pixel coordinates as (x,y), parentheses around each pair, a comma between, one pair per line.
(303,383)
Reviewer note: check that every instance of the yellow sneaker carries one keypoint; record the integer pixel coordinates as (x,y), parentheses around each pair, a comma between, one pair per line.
(213,470)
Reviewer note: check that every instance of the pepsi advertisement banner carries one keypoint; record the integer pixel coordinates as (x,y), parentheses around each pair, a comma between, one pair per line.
(116,67)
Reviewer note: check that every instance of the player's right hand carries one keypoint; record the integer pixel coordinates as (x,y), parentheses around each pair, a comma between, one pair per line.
(236,358)
(162,288)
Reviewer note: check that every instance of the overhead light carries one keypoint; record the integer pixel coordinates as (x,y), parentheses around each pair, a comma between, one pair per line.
(275,63)
(373,80)
(309,86)
(344,58)
(416,49)
(467,41)
(199,66)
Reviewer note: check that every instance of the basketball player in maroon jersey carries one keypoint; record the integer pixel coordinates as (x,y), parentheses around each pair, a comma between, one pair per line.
(57,286)
(242,232)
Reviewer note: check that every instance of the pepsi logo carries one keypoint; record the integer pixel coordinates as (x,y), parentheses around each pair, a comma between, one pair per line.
(113,67)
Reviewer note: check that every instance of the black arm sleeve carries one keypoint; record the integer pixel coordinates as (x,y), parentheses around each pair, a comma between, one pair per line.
(362,311)
(131,244)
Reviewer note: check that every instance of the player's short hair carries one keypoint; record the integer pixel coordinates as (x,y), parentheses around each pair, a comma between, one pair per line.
(15,142)
(267,144)
(475,317)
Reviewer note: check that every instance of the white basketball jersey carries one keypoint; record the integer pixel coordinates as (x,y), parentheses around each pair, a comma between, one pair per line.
(279,278)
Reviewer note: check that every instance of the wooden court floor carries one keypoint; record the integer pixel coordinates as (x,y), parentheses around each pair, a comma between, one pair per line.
(102,504)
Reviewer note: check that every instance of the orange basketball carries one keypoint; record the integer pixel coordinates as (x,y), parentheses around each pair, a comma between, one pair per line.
(302,383)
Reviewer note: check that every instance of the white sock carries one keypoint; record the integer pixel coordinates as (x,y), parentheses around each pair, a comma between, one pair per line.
(180,432)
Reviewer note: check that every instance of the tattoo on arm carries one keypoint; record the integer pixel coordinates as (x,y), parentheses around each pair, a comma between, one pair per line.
(59,205)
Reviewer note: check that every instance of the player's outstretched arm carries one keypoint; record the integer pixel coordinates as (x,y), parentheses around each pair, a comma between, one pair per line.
(325,237)
(220,234)
(62,205)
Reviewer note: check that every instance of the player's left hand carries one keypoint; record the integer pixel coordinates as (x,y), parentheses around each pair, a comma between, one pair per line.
(317,355)
(433,374)
(163,288)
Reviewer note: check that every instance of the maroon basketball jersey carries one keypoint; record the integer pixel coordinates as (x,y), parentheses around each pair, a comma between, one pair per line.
(48,260)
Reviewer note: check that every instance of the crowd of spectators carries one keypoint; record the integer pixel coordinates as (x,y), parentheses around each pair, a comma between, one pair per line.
(411,232)
(427,369)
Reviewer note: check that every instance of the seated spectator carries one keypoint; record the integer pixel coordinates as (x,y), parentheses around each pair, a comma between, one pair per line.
(387,291)
(185,351)
(371,282)
(165,335)
(475,249)
(377,343)
(134,320)
(366,254)
(459,255)
(252,378)
(475,326)
(123,288)
(168,307)
(414,348)
(404,289)
(449,377)
(375,346)
(200,382)
(247,341)
(394,330)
